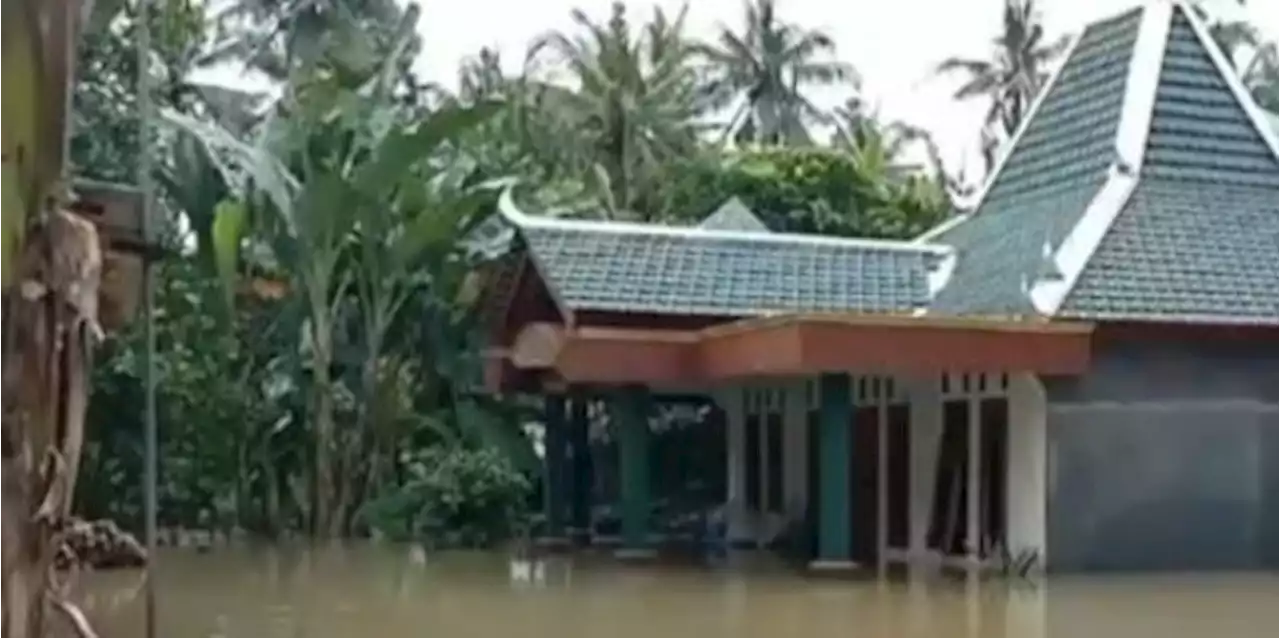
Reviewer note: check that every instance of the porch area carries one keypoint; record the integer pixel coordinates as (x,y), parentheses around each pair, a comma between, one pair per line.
(856,441)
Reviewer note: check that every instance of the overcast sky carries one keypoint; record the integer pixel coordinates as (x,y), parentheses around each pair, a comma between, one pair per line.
(893,44)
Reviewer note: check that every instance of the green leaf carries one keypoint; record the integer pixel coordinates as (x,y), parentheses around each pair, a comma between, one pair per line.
(327,206)
(503,435)
(233,157)
(437,228)
(400,151)
(228,229)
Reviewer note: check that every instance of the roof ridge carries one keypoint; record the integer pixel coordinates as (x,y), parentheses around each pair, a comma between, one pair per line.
(1012,144)
(513,214)
(1154,41)
(1228,73)
(1136,112)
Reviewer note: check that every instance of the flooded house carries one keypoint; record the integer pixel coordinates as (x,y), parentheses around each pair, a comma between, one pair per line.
(1080,373)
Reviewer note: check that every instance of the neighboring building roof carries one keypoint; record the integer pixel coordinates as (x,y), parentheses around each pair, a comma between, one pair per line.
(1143,187)
(734,215)
(637,268)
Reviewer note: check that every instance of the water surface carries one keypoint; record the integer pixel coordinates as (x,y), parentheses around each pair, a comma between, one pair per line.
(386,592)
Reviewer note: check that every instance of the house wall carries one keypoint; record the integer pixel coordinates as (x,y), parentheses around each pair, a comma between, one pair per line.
(1164,457)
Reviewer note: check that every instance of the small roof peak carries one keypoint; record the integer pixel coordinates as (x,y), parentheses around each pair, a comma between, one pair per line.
(733,214)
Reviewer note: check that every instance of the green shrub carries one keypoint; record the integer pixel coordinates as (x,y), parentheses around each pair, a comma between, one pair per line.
(454,497)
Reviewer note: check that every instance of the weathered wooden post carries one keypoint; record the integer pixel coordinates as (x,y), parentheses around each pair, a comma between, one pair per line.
(65,280)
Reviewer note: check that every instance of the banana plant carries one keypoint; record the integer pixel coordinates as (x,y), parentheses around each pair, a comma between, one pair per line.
(328,181)
(52,267)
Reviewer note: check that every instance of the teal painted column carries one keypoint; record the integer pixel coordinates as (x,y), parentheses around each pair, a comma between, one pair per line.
(835,433)
(631,421)
(554,460)
(583,478)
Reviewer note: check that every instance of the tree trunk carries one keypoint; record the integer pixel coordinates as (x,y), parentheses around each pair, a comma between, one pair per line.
(357,448)
(322,349)
(51,327)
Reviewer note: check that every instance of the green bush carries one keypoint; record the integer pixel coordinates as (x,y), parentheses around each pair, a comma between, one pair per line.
(454,497)
(808,190)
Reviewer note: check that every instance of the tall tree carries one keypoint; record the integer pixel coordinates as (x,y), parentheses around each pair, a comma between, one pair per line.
(1245,47)
(1015,72)
(865,133)
(320,177)
(278,37)
(629,102)
(765,69)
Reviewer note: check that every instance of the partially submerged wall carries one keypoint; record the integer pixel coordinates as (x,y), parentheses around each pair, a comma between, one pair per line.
(1164,457)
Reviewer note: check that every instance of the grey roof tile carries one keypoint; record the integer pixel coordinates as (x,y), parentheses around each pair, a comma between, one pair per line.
(1186,251)
(626,268)
(1197,240)
(1051,174)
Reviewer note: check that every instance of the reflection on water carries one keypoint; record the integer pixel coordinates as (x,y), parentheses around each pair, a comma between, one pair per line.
(391,592)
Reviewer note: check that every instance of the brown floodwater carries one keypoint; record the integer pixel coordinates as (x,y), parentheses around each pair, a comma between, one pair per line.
(385,591)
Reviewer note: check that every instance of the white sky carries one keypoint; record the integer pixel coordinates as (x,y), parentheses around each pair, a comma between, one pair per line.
(894,44)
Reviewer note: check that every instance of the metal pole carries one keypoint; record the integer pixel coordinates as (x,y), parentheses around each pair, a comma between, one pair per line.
(145,186)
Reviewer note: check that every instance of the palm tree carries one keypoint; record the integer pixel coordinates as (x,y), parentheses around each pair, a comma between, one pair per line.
(629,102)
(1014,74)
(766,68)
(1243,45)
(276,37)
(481,77)
(866,134)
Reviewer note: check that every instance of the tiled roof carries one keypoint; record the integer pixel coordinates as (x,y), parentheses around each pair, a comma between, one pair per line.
(1185,251)
(1197,240)
(616,267)
(734,215)
(1052,172)
(1193,235)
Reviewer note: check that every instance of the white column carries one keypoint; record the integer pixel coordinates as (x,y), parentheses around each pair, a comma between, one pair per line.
(795,433)
(926,437)
(1028,465)
(732,400)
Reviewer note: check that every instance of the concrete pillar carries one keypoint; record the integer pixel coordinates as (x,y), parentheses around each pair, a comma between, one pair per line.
(582,471)
(1028,466)
(835,542)
(795,433)
(926,438)
(732,401)
(631,415)
(555,446)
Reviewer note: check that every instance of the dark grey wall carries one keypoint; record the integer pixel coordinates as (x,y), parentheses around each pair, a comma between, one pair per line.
(1164,457)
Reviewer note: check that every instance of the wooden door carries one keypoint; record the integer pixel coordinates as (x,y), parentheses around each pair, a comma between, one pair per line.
(899,474)
(862,474)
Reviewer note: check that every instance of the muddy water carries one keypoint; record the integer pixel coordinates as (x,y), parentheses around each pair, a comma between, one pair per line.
(376,592)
